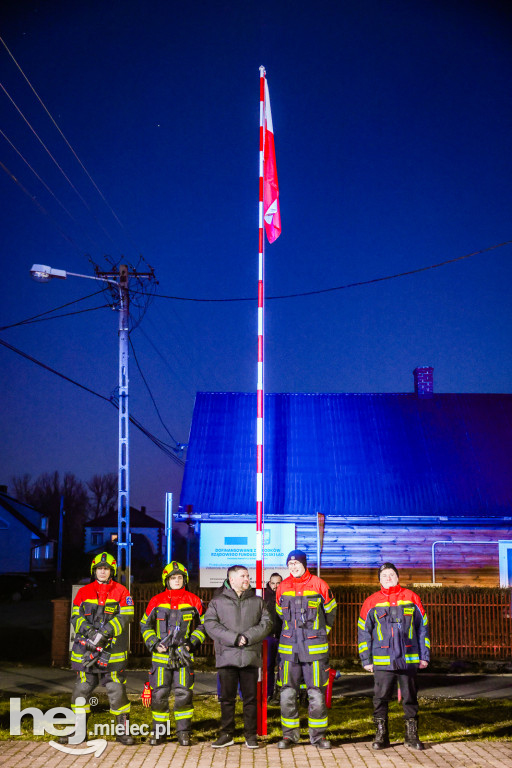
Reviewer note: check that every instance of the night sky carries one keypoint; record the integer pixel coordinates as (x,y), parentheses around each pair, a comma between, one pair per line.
(392,126)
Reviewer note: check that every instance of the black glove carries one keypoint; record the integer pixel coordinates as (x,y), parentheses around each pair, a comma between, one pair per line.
(183,655)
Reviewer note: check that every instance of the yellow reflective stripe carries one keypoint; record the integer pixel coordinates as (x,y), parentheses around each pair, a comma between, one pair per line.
(114,677)
(77,657)
(79,624)
(290,722)
(331,605)
(127,611)
(361,624)
(182,676)
(381,660)
(83,678)
(161,717)
(317,722)
(199,634)
(412,658)
(85,708)
(185,714)
(288,649)
(122,710)
(161,658)
(285,671)
(425,620)
(75,611)
(279,610)
(427,642)
(147,634)
(379,630)
(316,674)
(117,626)
(318,648)
(362,647)
(118,657)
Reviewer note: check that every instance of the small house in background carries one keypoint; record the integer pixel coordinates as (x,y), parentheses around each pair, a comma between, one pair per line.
(24,543)
(147,536)
(399,476)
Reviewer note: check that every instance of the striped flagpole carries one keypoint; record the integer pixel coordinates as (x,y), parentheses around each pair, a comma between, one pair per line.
(262,684)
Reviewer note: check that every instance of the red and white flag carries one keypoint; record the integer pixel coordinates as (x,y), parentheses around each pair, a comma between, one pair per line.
(271,211)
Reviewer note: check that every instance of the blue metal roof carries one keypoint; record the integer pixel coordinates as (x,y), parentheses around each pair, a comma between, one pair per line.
(353,455)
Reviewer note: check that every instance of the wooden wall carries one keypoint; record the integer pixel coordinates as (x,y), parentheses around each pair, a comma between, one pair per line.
(353,553)
(460,577)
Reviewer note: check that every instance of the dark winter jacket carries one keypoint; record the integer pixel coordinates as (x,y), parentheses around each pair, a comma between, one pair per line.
(107,608)
(270,601)
(229,616)
(393,630)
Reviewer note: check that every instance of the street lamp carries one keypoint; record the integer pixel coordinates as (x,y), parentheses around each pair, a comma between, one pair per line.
(43,274)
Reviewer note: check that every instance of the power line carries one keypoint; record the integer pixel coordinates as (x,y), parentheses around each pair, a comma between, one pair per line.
(72,150)
(41,315)
(339,287)
(113,401)
(54,317)
(151,395)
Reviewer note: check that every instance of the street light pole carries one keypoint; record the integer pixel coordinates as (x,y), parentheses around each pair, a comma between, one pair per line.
(43,274)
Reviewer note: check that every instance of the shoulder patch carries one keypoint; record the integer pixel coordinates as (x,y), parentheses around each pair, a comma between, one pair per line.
(129,600)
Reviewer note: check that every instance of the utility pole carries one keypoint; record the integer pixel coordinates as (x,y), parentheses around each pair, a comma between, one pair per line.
(124,559)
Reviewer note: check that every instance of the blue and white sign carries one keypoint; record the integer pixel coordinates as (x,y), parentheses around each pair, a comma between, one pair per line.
(222,545)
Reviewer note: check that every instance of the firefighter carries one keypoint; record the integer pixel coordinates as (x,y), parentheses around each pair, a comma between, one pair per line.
(101,613)
(308,608)
(394,642)
(172,629)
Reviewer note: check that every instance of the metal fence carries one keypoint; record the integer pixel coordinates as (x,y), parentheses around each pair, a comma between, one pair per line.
(472,623)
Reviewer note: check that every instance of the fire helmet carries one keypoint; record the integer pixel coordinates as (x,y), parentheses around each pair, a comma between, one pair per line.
(173,568)
(104,559)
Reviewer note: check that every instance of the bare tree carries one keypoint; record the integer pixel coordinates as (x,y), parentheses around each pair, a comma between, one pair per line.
(103,490)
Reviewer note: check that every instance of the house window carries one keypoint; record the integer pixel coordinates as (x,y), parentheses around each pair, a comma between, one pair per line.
(96,538)
(44,524)
(37,553)
(113,537)
(48,553)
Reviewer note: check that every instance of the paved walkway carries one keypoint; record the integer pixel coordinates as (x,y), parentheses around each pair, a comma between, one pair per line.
(18,754)
(18,680)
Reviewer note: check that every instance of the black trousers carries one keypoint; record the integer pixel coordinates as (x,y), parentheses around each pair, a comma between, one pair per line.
(272,646)
(230,678)
(384,685)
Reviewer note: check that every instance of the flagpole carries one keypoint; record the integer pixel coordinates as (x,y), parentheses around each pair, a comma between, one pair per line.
(262,684)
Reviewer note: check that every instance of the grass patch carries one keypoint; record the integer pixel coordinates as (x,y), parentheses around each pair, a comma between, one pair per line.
(350,718)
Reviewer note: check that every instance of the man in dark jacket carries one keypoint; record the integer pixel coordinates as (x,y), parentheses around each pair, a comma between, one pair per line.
(394,642)
(238,621)
(273,638)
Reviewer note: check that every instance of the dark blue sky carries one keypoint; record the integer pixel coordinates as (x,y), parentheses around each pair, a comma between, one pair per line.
(393,129)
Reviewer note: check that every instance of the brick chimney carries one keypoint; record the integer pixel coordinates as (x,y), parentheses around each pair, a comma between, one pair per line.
(424,381)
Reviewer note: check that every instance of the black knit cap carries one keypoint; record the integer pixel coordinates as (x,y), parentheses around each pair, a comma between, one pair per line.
(298,554)
(385,566)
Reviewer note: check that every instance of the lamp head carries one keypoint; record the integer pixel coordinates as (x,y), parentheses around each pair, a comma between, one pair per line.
(42,274)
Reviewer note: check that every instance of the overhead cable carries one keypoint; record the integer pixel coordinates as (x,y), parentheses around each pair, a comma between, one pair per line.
(151,395)
(113,401)
(339,287)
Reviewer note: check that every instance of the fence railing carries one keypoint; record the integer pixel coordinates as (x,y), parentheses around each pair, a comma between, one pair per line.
(472,623)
